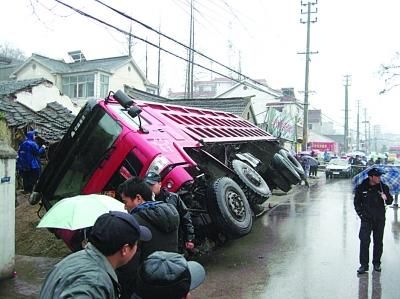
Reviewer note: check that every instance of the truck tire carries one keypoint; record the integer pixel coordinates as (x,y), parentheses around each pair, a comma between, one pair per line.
(283,165)
(229,208)
(252,179)
(280,182)
(295,164)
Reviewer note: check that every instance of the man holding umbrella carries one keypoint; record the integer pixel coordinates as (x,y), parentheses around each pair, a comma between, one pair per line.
(370,200)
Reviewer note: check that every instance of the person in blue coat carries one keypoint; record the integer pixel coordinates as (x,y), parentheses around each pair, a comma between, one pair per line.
(28,160)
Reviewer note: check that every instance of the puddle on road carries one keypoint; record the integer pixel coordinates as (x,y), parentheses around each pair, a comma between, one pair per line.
(30,273)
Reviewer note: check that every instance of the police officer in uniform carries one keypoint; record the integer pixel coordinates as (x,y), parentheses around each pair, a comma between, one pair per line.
(370,200)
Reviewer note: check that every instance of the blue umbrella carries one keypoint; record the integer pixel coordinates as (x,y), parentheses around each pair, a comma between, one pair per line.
(391,177)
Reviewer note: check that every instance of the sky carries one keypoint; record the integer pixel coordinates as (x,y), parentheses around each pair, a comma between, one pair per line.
(352,37)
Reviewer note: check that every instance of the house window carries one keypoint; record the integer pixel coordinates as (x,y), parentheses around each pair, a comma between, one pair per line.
(104,85)
(81,86)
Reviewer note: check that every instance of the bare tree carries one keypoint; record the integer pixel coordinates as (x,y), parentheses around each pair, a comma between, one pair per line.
(390,73)
(10,52)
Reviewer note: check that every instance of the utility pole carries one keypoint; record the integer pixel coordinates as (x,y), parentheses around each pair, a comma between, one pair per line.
(189,71)
(307,53)
(369,135)
(358,125)
(146,57)
(159,62)
(346,112)
(130,41)
(365,130)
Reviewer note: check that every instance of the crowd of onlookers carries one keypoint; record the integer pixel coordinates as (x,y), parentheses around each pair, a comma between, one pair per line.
(133,255)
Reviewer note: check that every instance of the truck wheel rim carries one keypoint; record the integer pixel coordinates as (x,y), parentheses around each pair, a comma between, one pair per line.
(235,205)
(252,176)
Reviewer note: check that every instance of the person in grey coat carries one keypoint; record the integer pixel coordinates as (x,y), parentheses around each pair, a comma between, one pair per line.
(90,273)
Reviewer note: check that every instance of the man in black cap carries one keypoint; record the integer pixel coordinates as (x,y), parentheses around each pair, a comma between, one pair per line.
(90,273)
(186,226)
(370,200)
(168,275)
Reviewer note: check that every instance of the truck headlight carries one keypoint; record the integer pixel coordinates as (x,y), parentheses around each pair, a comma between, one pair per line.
(158,164)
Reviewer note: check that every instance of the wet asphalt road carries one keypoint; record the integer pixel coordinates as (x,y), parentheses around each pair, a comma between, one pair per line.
(305,247)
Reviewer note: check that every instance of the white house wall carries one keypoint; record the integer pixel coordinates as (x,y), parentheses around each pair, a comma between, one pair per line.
(28,72)
(123,76)
(43,94)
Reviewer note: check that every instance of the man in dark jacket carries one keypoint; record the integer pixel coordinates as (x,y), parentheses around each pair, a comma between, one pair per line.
(90,273)
(161,218)
(28,161)
(370,199)
(154,181)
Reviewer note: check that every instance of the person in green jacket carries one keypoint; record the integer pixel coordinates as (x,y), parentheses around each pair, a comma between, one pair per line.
(90,273)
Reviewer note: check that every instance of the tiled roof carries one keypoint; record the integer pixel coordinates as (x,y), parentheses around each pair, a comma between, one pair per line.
(51,123)
(7,67)
(57,66)
(104,64)
(8,88)
(231,105)
(145,96)
(60,66)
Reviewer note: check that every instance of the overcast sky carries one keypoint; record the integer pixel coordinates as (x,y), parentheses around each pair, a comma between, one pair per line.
(352,37)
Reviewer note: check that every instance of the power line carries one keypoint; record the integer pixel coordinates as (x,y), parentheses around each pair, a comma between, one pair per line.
(174,40)
(166,51)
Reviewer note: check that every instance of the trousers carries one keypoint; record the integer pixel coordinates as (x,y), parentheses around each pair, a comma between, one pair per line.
(376,227)
(29,179)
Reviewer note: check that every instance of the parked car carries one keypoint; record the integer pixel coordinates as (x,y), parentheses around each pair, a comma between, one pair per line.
(221,165)
(338,168)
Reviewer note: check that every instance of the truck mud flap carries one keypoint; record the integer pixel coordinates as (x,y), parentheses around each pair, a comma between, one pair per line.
(229,208)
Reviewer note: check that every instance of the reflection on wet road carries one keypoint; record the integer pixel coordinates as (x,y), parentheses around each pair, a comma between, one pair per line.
(307,247)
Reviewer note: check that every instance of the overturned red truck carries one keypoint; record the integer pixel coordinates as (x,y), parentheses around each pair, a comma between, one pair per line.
(222,166)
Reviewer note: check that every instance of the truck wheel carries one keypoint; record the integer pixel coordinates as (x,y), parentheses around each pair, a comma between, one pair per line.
(279,180)
(295,164)
(251,178)
(284,166)
(229,208)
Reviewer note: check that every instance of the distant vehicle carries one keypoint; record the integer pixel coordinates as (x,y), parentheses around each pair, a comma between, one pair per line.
(338,168)
(394,150)
(222,166)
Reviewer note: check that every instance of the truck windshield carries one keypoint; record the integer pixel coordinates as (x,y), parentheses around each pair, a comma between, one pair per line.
(92,143)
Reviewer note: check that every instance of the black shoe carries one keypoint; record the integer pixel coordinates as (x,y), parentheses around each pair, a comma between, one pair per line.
(362,269)
(377,268)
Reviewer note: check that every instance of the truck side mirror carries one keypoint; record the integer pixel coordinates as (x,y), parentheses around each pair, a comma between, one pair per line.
(134,111)
(124,100)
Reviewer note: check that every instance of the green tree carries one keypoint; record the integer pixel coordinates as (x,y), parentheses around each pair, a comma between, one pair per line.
(384,148)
